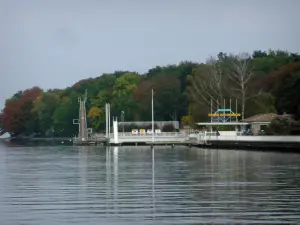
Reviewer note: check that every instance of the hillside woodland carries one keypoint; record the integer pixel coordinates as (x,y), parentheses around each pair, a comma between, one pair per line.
(264,82)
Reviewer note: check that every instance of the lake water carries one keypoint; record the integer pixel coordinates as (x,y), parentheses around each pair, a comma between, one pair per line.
(138,185)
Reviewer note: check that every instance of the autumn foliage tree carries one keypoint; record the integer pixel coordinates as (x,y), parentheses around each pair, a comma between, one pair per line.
(17,114)
(96,116)
(2,131)
(262,82)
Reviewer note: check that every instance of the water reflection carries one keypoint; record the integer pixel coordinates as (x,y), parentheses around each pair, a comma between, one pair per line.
(115,187)
(108,178)
(153,183)
(127,185)
(82,151)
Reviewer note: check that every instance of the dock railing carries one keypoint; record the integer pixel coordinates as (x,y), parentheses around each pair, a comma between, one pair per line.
(93,137)
(206,137)
(164,134)
(240,136)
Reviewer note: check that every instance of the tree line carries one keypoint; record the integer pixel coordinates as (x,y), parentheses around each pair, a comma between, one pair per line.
(263,82)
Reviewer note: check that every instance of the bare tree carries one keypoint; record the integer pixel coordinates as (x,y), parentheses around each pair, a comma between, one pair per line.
(240,72)
(228,76)
(216,77)
(206,84)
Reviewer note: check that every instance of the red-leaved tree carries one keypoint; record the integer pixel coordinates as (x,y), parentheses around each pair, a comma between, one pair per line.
(17,111)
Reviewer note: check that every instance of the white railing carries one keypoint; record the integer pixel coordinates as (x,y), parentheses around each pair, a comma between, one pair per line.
(263,138)
(164,134)
(139,139)
(206,137)
(97,135)
(239,136)
(214,133)
(129,134)
(91,138)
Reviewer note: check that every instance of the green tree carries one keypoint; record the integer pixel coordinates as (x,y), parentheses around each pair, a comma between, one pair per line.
(123,90)
(44,108)
(287,95)
(66,110)
(96,115)
(273,87)
(167,98)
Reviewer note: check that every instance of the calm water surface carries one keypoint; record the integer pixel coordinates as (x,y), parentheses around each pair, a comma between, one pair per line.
(137,185)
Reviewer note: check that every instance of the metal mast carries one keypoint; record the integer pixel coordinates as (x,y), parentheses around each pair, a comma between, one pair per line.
(152,118)
(83,132)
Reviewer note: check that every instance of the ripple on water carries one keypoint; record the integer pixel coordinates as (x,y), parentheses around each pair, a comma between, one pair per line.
(137,185)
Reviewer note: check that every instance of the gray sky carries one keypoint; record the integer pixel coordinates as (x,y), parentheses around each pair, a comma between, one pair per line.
(54,43)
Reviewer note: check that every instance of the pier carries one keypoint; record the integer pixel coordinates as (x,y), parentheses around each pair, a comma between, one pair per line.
(206,139)
(236,140)
(166,138)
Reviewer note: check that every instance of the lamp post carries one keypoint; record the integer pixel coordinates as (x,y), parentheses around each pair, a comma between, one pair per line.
(122,119)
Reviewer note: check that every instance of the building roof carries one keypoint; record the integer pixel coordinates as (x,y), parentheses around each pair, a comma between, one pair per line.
(261,118)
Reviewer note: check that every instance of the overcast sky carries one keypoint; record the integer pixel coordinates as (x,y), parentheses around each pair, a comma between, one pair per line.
(54,43)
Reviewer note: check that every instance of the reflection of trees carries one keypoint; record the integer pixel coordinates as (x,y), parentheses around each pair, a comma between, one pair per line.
(3,169)
(178,183)
(222,178)
(239,181)
(187,181)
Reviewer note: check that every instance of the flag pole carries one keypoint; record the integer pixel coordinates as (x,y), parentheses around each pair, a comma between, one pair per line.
(152,119)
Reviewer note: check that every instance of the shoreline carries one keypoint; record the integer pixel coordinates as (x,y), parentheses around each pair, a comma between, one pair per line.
(288,147)
(247,143)
(39,138)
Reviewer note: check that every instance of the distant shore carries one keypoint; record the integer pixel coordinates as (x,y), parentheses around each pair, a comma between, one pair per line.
(37,139)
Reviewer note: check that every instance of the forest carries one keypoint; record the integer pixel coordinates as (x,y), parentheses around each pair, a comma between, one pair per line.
(261,82)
